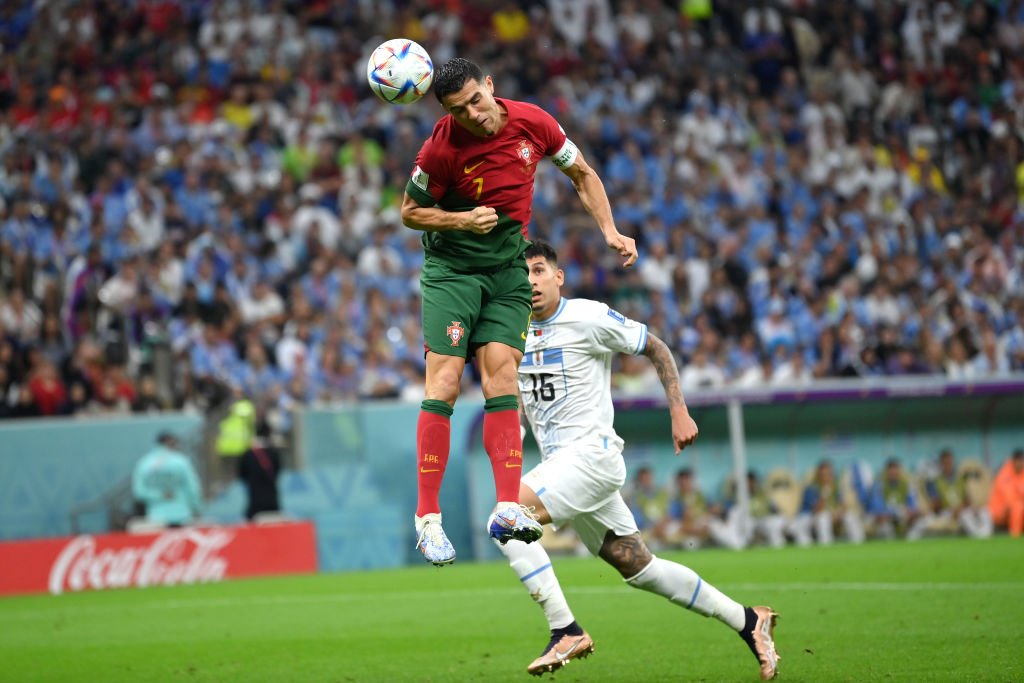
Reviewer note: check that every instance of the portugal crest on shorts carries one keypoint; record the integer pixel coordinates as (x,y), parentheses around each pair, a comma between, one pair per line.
(456,332)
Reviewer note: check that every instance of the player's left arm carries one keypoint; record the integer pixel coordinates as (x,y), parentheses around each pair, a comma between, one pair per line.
(684,429)
(569,160)
(595,200)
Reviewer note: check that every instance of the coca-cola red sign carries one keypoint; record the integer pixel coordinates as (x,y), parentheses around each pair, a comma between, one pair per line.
(190,555)
(180,556)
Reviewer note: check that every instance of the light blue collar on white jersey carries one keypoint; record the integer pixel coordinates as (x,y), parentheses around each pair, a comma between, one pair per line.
(558,312)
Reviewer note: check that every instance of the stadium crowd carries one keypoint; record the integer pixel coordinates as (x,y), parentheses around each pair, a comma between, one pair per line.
(199,199)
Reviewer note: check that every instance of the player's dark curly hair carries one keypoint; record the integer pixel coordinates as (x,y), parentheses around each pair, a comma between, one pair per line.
(453,75)
(542,248)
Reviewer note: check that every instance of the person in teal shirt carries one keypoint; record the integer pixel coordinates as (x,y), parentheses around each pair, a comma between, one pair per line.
(166,483)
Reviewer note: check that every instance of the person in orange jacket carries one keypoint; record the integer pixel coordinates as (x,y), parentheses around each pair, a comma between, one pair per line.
(1006,503)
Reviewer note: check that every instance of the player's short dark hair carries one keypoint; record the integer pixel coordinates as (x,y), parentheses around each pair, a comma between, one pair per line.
(452,76)
(543,249)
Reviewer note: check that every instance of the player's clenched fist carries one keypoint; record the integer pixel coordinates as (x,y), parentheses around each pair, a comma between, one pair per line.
(684,429)
(481,220)
(626,246)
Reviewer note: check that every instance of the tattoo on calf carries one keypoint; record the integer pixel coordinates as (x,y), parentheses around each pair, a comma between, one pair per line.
(628,554)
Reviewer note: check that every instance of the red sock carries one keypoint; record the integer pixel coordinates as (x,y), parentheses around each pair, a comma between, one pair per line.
(504,445)
(433,438)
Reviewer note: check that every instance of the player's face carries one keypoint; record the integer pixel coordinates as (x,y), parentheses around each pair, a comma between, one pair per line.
(546,280)
(474,108)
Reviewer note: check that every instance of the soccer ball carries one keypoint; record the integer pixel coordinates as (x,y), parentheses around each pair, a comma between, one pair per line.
(400,71)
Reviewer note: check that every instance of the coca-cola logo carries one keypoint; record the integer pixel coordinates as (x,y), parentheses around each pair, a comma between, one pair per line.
(180,556)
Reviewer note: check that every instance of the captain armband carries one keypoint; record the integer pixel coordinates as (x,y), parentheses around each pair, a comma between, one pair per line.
(566,155)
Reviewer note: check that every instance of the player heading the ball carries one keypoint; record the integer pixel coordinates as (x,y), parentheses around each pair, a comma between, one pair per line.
(471,195)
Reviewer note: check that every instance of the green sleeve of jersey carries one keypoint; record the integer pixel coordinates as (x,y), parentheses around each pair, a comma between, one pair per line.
(419,193)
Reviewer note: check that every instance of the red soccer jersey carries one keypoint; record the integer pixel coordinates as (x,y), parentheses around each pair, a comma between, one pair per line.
(457,171)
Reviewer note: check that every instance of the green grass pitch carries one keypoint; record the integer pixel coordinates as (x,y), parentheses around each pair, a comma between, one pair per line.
(937,610)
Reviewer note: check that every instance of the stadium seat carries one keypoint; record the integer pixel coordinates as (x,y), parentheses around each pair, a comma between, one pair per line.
(784,491)
(977,481)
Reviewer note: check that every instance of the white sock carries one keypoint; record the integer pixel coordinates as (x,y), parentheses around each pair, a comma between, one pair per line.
(532,565)
(682,586)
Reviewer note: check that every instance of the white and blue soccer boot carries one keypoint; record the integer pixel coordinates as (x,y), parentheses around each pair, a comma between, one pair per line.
(512,521)
(432,541)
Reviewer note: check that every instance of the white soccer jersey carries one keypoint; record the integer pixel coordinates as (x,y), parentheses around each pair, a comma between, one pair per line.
(565,376)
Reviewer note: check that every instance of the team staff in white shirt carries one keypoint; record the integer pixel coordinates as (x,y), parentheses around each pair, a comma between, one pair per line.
(565,391)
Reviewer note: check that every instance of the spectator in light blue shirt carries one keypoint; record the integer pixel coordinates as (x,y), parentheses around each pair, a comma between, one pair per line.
(775,328)
(166,483)
(195,201)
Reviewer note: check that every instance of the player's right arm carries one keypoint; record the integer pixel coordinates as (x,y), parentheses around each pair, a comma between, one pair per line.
(480,220)
(429,182)
(684,429)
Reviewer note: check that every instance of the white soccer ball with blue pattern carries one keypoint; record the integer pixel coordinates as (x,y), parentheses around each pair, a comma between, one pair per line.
(400,71)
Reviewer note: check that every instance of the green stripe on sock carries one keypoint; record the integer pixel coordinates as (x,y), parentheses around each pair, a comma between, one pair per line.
(496,403)
(432,405)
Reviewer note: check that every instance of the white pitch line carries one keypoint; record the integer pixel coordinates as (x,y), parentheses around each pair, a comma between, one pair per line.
(881,586)
(335,598)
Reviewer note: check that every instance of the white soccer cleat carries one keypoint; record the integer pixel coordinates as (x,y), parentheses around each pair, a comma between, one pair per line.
(432,541)
(512,521)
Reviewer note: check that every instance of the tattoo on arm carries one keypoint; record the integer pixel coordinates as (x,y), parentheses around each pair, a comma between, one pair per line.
(628,554)
(665,364)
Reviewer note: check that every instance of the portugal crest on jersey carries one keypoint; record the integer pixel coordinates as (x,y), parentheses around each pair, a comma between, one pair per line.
(456,332)
(525,152)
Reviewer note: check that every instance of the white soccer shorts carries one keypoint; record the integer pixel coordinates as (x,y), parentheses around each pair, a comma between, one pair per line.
(581,484)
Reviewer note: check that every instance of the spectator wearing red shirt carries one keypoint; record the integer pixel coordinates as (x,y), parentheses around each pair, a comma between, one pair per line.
(47,389)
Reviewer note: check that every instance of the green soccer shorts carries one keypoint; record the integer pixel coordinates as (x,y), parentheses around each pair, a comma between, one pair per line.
(462,311)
